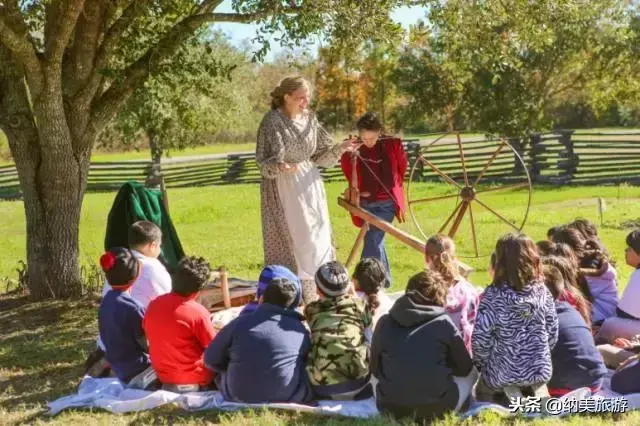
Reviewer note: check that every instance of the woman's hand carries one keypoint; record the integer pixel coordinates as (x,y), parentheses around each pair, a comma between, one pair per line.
(286,167)
(349,144)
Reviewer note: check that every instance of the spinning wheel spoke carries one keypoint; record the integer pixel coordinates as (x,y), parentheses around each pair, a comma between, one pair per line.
(467,178)
(439,138)
(505,220)
(464,165)
(490,162)
(450,217)
(440,173)
(428,200)
(458,221)
(473,230)
(505,188)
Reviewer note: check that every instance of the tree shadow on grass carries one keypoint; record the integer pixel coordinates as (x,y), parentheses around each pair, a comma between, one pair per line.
(43,346)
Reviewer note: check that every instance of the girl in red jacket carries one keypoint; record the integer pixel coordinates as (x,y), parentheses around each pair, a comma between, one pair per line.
(379,181)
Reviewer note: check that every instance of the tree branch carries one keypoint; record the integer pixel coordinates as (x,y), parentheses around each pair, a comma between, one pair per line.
(208,6)
(105,108)
(108,45)
(25,53)
(85,45)
(61,32)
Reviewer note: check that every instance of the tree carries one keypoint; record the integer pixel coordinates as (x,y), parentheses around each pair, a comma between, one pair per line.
(175,107)
(500,65)
(67,67)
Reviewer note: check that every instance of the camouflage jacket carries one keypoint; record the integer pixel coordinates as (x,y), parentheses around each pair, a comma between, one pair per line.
(338,349)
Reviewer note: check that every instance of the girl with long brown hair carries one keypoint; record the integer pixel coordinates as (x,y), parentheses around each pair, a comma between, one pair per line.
(462,297)
(517,325)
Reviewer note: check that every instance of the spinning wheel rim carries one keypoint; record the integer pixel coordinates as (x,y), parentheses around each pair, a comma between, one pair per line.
(468,193)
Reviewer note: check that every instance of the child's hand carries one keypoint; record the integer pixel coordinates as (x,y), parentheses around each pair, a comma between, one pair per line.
(624,364)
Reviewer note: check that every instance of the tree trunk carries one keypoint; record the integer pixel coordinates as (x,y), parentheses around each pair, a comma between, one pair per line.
(52,185)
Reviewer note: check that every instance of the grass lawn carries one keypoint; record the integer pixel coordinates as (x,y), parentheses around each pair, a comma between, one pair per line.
(43,345)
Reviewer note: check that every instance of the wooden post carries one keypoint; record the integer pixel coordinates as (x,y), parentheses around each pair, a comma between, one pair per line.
(516,143)
(224,287)
(363,231)
(537,148)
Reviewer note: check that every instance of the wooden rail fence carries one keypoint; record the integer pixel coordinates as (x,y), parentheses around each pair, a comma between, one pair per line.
(560,158)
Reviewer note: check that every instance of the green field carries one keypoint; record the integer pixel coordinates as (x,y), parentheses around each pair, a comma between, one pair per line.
(43,346)
(222,223)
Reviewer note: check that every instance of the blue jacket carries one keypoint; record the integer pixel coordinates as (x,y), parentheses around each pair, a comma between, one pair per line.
(260,357)
(576,360)
(120,323)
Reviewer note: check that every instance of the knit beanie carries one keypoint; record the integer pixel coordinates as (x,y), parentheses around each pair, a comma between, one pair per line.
(332,279)
(120,266)
(271,272)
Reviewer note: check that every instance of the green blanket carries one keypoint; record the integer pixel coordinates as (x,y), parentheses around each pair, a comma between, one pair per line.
(134,202)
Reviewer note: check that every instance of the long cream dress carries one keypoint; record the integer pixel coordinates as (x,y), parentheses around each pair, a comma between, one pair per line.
(296,229)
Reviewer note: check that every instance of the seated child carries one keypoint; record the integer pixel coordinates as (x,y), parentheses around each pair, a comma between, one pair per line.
(516,326)
(626,379)
(261,357)
(629,306)
(571,293)
(462,297)
(338,365)
(120,317)
(600,275)
(269,272)
(418,355)
(626,322)
(617,353)
(369,281)
(179,329)
(144,240)
(576,361)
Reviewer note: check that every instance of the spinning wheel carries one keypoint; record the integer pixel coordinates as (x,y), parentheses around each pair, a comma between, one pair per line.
(474,174)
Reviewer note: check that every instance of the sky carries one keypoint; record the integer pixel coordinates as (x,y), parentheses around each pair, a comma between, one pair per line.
(239,32)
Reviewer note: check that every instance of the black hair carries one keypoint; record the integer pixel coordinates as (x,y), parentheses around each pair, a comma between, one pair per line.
(369,121)
(633,240)
(371,276)
(280,292)
(191,276)
(554,230)
(143,232)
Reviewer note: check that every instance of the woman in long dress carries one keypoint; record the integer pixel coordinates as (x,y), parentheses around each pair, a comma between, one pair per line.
(296,230)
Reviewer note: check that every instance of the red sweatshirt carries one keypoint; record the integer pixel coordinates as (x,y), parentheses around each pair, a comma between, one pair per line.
(179,330)
(396,161)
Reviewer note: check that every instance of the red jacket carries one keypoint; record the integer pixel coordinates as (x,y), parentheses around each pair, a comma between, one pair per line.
(398,158)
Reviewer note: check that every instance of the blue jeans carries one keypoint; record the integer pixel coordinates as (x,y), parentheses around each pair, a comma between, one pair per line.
(374,238)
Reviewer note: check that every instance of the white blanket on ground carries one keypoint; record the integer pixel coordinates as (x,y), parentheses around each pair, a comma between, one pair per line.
(111,395)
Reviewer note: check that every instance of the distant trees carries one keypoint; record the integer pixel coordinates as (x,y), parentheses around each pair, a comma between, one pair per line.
(500,66)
